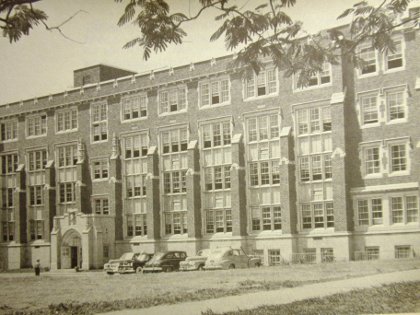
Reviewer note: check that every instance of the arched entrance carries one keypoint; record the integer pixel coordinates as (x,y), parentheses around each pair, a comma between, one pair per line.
(71,250)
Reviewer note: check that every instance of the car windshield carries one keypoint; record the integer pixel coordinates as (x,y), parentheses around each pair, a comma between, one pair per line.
(218,252)
(143,257)
(126,256)
(156,257)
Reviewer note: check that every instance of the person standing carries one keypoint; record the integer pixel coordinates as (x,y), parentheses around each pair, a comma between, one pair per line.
(37,267)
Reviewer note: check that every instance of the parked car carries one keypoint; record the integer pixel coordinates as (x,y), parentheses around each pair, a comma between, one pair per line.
(195,262)
(136,264)
(113,265)
(230,258)
(166,261)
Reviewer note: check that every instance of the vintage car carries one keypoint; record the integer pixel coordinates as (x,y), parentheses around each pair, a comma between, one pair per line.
(136,264)
(195,262)
(166,261)
(113,265)
(230,258)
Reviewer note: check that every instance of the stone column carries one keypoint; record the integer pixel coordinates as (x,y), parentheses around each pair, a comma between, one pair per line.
(193,191)
(342,215)
(153,194)
(287,182)
(115,189)
(82,199)
(238,187)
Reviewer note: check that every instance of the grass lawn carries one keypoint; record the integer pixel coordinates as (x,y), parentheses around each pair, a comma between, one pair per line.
(88,292)
(392,298)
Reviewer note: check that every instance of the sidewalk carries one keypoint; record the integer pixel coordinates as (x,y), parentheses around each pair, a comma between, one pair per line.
(275,297)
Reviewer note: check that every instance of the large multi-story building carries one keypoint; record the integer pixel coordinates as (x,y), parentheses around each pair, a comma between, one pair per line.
(198,157)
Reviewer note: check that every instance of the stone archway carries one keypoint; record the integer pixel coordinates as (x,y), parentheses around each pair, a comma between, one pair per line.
(71,250)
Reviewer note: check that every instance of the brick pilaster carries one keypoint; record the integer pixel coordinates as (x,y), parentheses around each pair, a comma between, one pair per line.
(287,182)
(115,189)
(341,216)
(153,194)
(49,199)
(238,187)
(19,202)
(193,191)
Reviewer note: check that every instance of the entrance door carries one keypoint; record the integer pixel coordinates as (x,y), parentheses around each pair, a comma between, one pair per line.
(73,255)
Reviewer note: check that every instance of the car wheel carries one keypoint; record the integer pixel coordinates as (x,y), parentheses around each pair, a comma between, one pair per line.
(168,269)
(201,267)
(231,266)
(139,270)
(109,273)
(258,264)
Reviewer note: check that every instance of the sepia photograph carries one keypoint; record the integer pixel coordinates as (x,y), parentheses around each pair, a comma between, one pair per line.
(209,157)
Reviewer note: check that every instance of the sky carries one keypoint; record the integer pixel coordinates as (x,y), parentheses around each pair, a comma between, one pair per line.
(43,63)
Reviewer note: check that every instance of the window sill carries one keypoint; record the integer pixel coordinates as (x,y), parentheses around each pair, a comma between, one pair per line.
(99,180)
(394,70)
(9,141)
(396,174)
(310,88)
(372,125)
(35,137)
(127,121)
(66,131)
(205,107)
(314,134)
(100,141)
(373,176)
(183,111)
(367,75)
(175,194)
(397,121)
(254,98)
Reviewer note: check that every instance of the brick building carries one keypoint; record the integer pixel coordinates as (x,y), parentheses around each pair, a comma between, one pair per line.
(197,157)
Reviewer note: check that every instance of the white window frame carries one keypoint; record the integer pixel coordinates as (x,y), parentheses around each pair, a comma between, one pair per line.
(32,121)
(403,58)
(369,95)
(102,162)
(255,79)
(326,222)
(100,203)
(318,77)
(210,83)
(402,106)
(11,130)
(407,169)
(72,111)
(169,91)
(364,159)
(139,100)
(368,46)
(405,208)
(100,122)
(36,161)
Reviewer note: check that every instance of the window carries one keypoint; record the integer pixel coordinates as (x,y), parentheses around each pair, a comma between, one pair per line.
(214,92)
(175,182)
(372,162)
(36,125)
(101,206)
(36,195)
(172,100)
(99,118)
(9,130)
(140,224)
(8,228)
(397,209)
(321,78)
(376,211)
(100,169)
(398,156)
(368,54)
(395,105)
(66,120)
(370,211)
(395,59)
(266,218)
(263,128)
(317,215)
(372,253)
(264,173)
(403,251)
(67,156)
(265,83)
(7,197)
(9,163)
(36,229)
(216,134)
(412,209)
(327,255)
(369,109)
(174,141)
(37,160)
(134,106)
(315,167)
(135,146)
(313,120)
(67,192)
(274,257)
(176,222)
(218,220)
